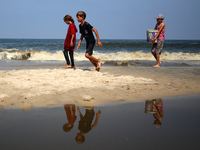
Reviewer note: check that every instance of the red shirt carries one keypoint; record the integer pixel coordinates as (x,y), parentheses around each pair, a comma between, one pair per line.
(71,30)
(71,113)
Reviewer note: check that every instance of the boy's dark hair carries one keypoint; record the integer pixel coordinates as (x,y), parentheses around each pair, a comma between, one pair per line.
(68,18)
(81,14)
(80,141)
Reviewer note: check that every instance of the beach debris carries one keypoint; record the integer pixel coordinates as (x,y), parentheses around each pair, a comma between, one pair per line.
(169,84)
(26,108)
(128,88)
(121,100)
(58,93)
(87,98)
(3,96)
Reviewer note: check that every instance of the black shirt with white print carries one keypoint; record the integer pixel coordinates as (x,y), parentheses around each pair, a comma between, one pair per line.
(86,31)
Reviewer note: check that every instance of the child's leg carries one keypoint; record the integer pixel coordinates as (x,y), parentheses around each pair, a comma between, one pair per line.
(153,50)
(156,57)
(66,58)
(88,54)
(158,51)
(71,53)
(158,61)
(94,61)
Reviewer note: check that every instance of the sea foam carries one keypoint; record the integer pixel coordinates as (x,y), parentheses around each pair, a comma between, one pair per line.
(58,55)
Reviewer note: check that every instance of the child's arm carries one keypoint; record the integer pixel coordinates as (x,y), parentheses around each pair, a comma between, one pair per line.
(161,28)
(160,116)
(155,27)
(72,41)
(79,43)
(97,35)
(79,112)
(96,120)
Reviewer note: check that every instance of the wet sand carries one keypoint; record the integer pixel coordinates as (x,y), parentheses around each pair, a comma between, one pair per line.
(120,126)
(29,88)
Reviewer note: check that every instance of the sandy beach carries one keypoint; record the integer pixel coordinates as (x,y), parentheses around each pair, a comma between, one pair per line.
(28,88)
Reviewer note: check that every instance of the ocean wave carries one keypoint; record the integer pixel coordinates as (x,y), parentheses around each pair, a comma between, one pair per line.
(14,54)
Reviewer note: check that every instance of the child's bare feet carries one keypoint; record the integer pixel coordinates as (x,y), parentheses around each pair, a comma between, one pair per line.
(98,64)
(68,66)
(98,69)
(157,65)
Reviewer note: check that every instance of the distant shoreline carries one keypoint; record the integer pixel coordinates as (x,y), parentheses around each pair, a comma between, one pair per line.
(101,39)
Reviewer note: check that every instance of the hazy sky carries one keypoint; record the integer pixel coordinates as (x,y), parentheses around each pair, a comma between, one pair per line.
(114,19)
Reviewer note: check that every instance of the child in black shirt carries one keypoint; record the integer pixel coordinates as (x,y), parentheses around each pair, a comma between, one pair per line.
(86,32)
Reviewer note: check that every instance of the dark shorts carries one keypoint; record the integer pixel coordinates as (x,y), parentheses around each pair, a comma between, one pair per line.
(90,47)
(157,47)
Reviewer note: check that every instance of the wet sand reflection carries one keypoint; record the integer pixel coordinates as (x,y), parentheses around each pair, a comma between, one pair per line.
(85,123)
(155,107)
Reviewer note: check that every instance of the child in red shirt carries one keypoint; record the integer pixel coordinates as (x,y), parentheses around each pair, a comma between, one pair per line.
(70,41)
(71,117)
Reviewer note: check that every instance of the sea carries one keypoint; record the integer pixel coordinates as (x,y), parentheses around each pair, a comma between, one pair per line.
(48,53)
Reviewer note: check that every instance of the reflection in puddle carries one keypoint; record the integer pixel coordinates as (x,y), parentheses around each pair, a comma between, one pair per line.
(71,117)
(155,107)
(120,126)
(85,123)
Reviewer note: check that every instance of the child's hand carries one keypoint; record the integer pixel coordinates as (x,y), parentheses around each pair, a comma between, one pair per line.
(78,46)
(71,44)
(78,110)
(99,113)
(99,44)
(153,41)
(152,103)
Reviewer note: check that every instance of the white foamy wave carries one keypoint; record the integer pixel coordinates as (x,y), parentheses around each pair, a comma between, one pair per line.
(47,55)
(139,55)
(180,56)
(13,54)
(44,55)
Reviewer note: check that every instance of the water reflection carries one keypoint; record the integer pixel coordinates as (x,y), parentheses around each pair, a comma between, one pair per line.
(155,107)
(120,126)
(71,117)
(85,123)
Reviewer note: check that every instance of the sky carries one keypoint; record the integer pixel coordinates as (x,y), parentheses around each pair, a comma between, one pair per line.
(114,19)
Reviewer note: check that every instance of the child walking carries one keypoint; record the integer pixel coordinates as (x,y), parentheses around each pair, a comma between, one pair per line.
(160,36)
(86,32)
(70,41)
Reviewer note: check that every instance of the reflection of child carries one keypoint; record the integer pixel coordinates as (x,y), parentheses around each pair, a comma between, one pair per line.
(71,117)
(157,47)
(70,41)
(158,107)
(85,123)
(86,32)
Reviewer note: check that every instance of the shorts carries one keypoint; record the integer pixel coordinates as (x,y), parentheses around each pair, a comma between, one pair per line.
(157,47)
(90,47)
